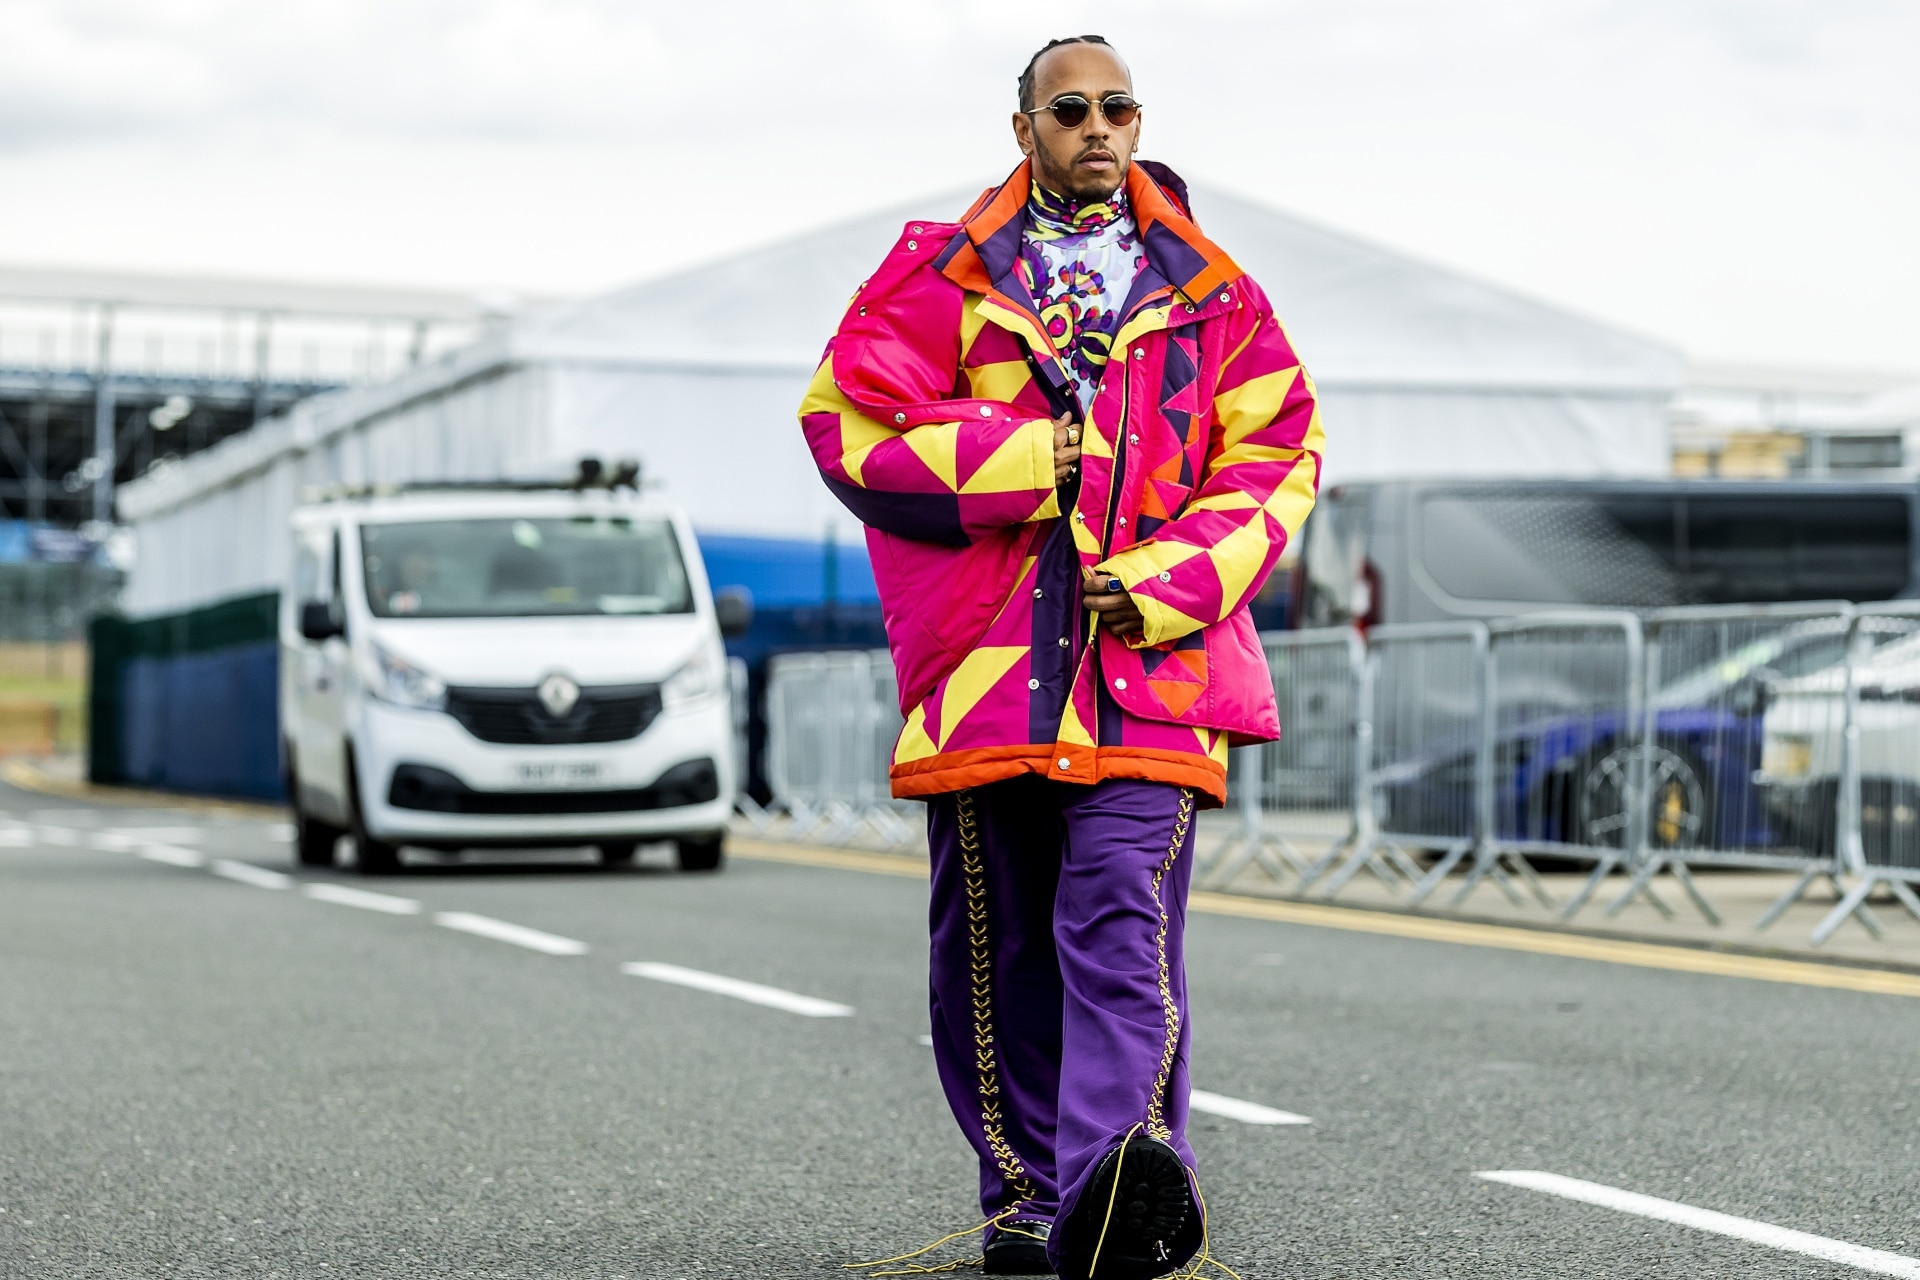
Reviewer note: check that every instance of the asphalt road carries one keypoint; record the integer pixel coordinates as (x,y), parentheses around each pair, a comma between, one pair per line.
(202,1075)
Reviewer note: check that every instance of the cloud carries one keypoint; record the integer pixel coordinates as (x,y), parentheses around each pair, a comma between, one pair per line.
(1739,174)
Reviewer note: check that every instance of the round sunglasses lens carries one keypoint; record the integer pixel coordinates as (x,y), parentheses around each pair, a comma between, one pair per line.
(1070,113)
(1119,111)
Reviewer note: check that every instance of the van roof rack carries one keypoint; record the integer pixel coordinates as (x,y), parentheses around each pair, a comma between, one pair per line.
(591,475)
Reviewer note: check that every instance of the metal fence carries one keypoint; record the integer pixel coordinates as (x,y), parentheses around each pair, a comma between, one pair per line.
(1463,755)
(832,719)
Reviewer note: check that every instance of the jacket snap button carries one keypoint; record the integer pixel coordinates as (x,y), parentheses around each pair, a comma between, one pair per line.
(1226,297)
(1189,308)
(1033,684)
(863,311)
(912,245)
(1165,576)
(1133,439)
(1064,642)
(1037,593)
(986,411)
(1139,353)
(899,417)
(1121,683)
(1079,515)
(1123,522)
(1065,763)
(916,231)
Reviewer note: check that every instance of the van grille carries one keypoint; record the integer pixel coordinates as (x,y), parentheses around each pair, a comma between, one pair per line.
(516,717)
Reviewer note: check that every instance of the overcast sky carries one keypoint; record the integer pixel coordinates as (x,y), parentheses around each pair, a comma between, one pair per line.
(1739,176)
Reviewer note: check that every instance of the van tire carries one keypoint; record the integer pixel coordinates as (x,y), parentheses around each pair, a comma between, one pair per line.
(313,840)
(617,853)
(701,853)
(372,857)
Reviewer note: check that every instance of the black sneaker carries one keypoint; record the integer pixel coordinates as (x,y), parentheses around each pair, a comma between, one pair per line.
(1017,1248)
(1154,1225)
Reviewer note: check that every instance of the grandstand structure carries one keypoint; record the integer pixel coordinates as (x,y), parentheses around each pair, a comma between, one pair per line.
(108,376)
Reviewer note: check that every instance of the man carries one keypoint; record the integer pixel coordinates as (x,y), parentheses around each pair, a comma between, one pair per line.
(1079,440)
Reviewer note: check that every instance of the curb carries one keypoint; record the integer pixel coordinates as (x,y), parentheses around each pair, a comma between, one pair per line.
(28,777)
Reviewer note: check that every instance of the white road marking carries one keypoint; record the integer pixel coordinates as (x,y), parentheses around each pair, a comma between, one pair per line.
(739,989)
(1725,1224)
(58,835)
(172,856)
(118,839)
(343,896)
(518,934)
(1218,1104)
(247,873)
(15,837)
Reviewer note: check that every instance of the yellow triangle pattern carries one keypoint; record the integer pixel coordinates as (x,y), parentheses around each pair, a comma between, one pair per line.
(938,444)
(978,672)
(1016,464)
(914,744)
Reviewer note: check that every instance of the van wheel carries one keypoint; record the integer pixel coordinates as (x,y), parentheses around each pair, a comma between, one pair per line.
(701,853)
(374,857)
(313,840)
(617,853)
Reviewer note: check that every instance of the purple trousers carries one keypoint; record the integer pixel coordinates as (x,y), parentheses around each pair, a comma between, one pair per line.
(1059,979)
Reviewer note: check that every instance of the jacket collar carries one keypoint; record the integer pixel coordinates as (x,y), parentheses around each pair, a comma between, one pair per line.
(983,259)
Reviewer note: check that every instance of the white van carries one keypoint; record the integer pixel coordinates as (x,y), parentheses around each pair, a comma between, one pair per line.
(467,667)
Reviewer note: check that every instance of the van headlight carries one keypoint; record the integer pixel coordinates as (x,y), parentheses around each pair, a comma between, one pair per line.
(698,678)
(394,679)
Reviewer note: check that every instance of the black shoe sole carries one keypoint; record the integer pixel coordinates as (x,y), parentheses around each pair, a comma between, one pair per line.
(1016,1258)
(1154,1224)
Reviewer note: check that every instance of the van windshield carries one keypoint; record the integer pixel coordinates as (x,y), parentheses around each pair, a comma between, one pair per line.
(527,567)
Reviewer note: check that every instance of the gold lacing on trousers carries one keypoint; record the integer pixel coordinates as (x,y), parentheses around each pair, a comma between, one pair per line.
(985,1060)
(1156,1104)
(985,1054)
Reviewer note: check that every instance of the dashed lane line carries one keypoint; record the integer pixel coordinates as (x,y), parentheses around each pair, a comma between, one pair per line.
(172,855)
(738,989)
(1860,1257)
(247,873)
(341,895)
(121,839)
(518,934)
(1218,1104)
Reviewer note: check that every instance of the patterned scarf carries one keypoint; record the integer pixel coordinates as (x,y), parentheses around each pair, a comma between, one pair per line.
(1078,261)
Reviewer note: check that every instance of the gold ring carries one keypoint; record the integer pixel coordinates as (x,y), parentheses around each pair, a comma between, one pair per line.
(1073,435)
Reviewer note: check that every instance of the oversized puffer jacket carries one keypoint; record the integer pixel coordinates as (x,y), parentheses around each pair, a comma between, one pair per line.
(930,418)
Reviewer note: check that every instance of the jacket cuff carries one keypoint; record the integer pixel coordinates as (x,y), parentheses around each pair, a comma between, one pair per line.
(1162,622)
(1040,441)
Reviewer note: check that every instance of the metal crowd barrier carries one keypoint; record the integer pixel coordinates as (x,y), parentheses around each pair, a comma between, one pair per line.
(1777,738)
(1709,801)
(832,719)
(1302,789)
(1421,711)
(1878,776)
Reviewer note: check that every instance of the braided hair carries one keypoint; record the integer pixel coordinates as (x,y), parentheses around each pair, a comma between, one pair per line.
(1026,77)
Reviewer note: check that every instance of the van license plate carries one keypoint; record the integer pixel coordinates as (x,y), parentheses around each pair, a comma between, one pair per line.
(561,774)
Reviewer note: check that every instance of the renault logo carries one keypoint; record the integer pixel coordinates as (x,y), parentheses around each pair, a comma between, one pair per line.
(558,695)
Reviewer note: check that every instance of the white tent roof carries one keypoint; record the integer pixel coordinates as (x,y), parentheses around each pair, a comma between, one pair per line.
(1363,317)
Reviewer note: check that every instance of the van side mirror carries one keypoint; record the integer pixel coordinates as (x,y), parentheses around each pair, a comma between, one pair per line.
(733,610)
(317,621)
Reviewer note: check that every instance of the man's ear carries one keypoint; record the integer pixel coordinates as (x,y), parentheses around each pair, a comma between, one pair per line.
(1023,132)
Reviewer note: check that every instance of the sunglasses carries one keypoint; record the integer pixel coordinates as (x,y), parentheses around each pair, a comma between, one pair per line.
(1070,110)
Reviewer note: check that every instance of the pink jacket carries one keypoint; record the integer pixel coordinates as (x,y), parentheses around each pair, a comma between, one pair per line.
(930,418)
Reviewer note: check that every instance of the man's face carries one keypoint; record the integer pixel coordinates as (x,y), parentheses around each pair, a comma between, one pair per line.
(1088,162)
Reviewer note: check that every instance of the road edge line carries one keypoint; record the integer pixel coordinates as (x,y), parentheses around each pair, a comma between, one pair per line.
(1674,957)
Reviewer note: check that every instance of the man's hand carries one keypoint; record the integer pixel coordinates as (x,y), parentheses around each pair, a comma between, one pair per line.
(1111,604)
(1066,448)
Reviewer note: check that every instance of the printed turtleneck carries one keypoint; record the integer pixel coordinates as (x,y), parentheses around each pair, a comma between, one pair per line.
(1078,260)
